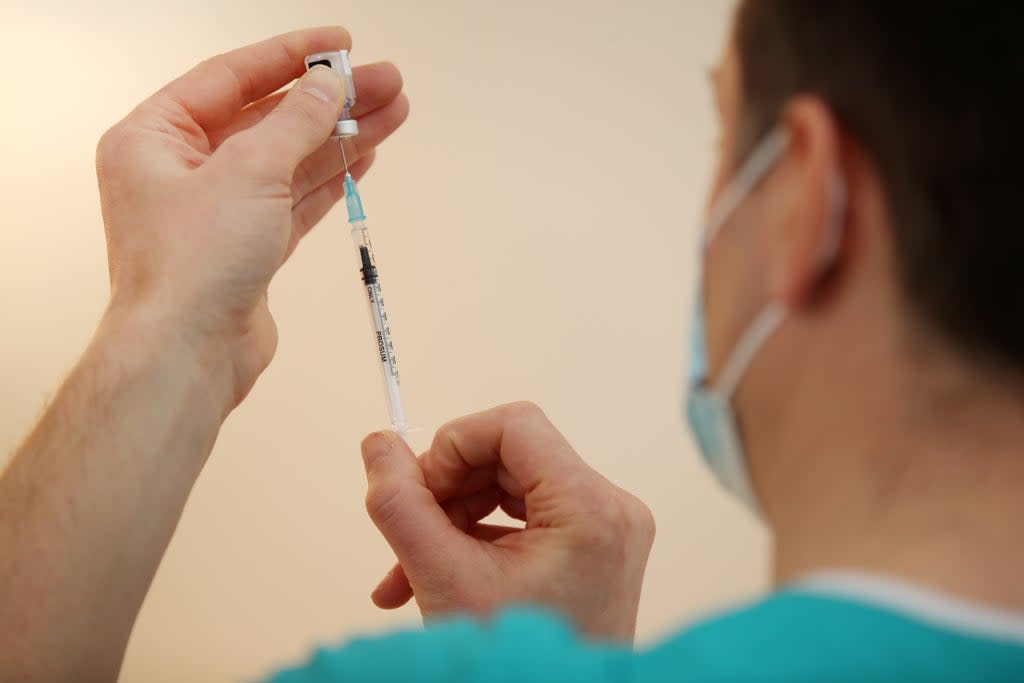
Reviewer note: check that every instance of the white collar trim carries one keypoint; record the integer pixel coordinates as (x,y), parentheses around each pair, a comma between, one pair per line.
(924,604)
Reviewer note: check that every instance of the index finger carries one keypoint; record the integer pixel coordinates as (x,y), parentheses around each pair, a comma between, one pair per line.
(217,89)
(518,436)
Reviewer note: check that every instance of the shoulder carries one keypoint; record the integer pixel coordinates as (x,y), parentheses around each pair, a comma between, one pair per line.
(789,637)
(799,637)
(516,645)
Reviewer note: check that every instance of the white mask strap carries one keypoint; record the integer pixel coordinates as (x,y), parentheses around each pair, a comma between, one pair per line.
(761,160)
(766,322)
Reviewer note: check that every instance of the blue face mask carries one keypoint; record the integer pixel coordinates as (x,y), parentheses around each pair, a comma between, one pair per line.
(709,410)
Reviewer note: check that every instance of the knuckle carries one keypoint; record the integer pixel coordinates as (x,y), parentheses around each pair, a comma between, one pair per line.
(615,519)
(442,435)
(619,519)
(641,520)
(447,432)
(525,410)
(604,527)
(383,502)
(107,148)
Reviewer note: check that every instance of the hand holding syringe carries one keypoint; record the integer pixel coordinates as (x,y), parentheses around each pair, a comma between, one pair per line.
(346,127)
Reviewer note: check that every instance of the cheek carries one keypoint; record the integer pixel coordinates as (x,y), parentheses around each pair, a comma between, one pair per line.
(730,293)
(719,305)
(724,168)
(718,182)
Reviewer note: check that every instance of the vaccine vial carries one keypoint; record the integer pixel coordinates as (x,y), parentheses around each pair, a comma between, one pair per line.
(346,126)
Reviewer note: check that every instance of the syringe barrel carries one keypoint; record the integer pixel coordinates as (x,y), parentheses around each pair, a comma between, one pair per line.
(388,362)
(379,320)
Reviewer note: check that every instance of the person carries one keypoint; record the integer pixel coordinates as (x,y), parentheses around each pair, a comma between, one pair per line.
(856,377)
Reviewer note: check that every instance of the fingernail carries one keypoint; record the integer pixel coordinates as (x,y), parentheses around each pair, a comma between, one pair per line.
(322,83)
(376,446)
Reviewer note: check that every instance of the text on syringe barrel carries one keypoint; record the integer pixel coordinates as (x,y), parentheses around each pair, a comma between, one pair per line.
(385,349)
(379,319)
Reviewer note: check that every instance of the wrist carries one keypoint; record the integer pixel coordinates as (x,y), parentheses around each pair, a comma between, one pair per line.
(145,339)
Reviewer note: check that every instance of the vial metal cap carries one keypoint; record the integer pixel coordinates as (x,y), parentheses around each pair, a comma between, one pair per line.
(346,128)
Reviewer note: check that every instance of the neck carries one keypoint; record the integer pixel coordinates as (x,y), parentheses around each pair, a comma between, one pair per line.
(911,471)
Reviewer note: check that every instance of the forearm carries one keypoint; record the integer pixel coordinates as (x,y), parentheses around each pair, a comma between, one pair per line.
(89,502)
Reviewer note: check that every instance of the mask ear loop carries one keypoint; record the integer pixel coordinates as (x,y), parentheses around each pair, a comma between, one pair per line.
(761,160)
(771,317)
(750,342)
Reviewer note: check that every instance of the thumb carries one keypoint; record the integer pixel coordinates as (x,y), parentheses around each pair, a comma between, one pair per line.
(403,508)
(297,126)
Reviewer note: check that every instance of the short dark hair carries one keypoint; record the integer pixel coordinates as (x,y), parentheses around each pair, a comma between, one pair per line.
(933,92)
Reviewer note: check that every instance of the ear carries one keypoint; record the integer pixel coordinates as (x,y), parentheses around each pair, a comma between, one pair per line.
(811,194)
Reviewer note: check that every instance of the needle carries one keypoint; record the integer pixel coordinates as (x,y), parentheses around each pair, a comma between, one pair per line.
(344,160)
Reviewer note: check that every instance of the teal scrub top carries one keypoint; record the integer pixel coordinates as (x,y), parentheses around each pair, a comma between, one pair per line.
(836,628)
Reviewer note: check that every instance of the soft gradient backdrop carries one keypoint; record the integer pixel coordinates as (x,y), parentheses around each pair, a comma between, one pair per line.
(534,222)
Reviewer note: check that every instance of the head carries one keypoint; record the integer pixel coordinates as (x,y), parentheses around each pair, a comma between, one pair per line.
(920,314)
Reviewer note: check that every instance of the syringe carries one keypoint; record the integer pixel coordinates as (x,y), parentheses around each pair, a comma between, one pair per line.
(378,317)
(347,127)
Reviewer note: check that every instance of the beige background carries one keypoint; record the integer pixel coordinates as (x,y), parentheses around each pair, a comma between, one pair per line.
(574,139)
